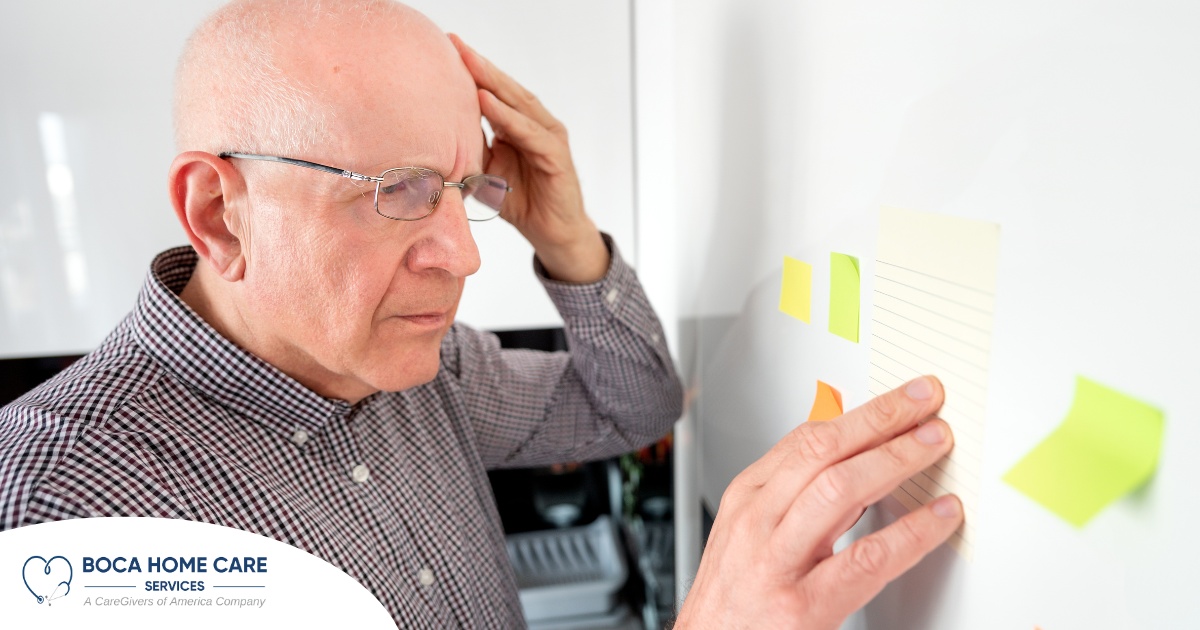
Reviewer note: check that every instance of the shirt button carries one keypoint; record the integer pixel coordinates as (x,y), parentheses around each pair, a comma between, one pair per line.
(612,296)
(654,337)
(360,473)
(299,437)
(425,577)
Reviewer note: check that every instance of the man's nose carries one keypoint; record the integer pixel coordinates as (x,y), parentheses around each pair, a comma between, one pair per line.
(447,242)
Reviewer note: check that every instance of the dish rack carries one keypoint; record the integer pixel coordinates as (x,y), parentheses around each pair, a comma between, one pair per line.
(568,573)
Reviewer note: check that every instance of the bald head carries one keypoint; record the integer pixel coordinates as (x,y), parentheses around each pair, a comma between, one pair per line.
(285,76)
(299,268)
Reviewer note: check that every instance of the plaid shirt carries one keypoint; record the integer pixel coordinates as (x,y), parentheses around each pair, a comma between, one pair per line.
(167,418)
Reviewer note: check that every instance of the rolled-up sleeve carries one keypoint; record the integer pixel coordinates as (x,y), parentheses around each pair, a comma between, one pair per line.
(615,390)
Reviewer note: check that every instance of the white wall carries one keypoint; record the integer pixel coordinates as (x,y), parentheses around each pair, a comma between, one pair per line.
(85,143)
(1073,126)
(658,228)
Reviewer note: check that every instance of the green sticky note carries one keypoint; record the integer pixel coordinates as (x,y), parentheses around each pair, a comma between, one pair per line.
(1106,448)
(843,296)
(795,297)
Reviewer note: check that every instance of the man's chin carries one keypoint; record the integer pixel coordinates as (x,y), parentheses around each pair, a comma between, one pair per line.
(393,365)
(404,374)
(401,384)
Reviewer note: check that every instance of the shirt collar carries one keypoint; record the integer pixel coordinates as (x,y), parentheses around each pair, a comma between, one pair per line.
(171,332)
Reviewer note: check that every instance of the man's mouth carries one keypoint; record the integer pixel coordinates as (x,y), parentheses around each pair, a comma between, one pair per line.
(430,319)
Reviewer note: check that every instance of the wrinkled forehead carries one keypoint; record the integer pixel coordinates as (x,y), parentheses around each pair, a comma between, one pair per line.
(395,87)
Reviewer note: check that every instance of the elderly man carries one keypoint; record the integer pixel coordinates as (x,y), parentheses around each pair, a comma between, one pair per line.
(296,371)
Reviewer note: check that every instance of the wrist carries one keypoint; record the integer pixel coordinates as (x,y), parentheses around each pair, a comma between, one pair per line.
(581,260)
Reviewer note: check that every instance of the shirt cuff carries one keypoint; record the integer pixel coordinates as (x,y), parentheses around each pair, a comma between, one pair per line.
(606,295)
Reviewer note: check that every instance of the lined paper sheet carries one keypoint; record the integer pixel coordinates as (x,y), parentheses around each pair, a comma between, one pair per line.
(935,284)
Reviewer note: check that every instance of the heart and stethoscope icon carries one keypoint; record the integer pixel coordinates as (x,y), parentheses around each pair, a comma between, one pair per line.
(47,580)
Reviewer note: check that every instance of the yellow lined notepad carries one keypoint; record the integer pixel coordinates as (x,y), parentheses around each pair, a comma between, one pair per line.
(935,283)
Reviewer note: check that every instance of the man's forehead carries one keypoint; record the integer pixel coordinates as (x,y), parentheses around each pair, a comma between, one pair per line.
(396,43)
(448,154)
(398,98)
(283,75)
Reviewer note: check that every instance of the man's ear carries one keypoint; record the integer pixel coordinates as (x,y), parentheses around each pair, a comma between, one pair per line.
(202,187)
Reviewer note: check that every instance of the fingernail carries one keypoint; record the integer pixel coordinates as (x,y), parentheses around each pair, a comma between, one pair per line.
(946,507)
(931,433)
(920,389)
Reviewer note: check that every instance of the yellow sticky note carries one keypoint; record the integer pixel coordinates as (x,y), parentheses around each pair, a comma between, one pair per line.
(1105,448)
(843,296)
(828,404)
(795,296)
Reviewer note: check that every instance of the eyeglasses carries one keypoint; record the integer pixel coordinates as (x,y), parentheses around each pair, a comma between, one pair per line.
(410,193)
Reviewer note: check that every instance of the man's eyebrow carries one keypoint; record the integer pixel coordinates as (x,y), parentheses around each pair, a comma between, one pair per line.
(379,167)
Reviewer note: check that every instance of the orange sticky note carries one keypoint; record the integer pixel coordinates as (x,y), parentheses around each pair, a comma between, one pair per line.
(828,404)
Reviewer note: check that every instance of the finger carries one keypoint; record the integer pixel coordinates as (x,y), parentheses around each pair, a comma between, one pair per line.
(818,515)
(850,578)
(819,552)
(493,79)
(539,146)
(851,520)
(813,446)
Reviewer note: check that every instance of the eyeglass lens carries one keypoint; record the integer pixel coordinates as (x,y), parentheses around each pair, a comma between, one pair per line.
(411,193)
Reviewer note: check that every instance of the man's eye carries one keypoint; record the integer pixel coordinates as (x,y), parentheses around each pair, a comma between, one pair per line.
(399,186)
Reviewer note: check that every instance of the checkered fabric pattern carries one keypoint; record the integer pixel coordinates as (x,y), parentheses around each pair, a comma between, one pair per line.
(169,419)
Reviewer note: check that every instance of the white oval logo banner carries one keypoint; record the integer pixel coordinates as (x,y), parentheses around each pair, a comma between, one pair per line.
(166,573)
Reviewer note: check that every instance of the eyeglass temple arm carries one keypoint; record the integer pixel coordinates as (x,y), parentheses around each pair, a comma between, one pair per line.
(306,164)
(463,185)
